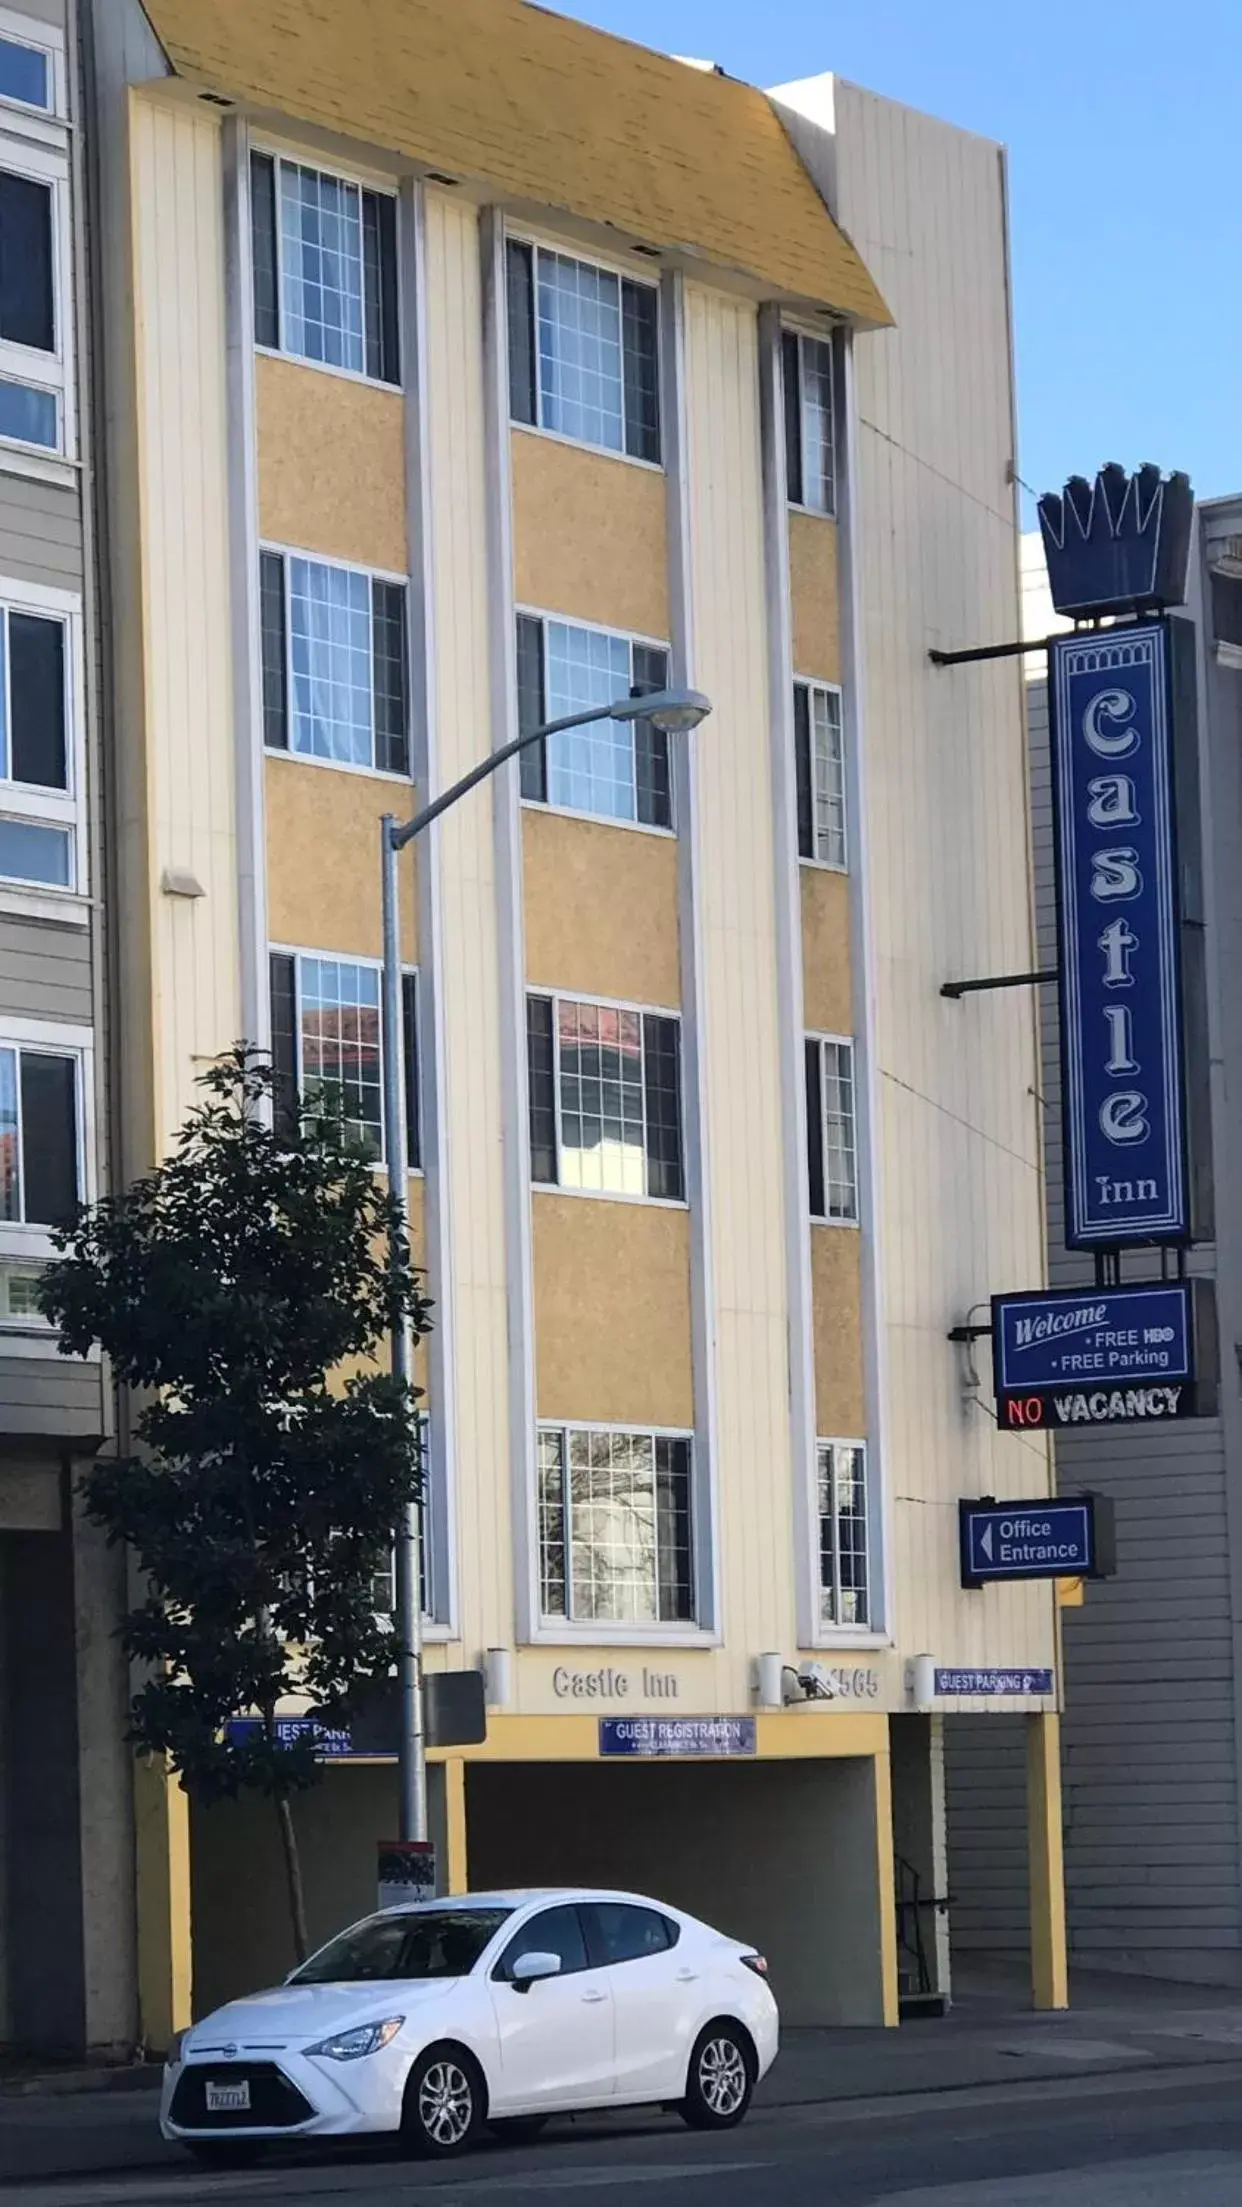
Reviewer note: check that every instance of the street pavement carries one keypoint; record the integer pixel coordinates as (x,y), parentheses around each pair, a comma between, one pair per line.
(1134,2099)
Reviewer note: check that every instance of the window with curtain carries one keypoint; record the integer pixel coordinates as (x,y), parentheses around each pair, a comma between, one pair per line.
(605,1098)
(324,262)
(334,662)
(326,1044)
(583,351)
(613,769)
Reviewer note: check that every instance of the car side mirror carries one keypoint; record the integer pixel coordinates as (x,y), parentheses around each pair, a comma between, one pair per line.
(528,1968)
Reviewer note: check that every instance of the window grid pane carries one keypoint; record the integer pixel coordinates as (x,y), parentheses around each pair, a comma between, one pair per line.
(640,353)
(662,1087)
(391,743)
(24,74)
(589,769)
(842,1505)
(818,458)
(321,265)
(829,776)
(330,639)
(674,1533)
(31,852)
(552,1587)
(613,1528)
(600,1085)
(339,1004)
(840,1161)
(580,364)
(28,415)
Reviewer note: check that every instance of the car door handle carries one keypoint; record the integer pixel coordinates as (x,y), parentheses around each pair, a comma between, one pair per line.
(593,1997)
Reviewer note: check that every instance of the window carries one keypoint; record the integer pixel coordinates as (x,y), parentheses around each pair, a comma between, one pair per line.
(615,769)
(841,1480)
(605,1098)
(39,1172)
(830,1129)
(31,352)
(437,1942)
(617,1932)
(810,444)
(557,1931)
(582,352)
(26,74)
(820,773)
(384,1584)
(616,1539)
(326,1017)
(325,268)
(334,663)
(37,807)
(44,1147)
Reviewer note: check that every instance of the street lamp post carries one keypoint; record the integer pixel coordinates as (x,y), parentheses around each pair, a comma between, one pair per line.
(675,712)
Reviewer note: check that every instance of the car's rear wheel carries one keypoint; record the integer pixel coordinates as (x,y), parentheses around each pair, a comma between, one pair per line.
(720,2079)
(445,2103)
(227,2153)
(517,2130)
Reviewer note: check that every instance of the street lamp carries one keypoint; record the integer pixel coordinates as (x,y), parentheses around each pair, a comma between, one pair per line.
(675,712)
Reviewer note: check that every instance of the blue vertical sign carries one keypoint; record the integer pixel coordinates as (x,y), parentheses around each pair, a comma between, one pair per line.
(1121,1034)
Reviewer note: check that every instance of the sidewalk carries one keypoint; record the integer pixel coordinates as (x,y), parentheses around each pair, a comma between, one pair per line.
(1117,2025)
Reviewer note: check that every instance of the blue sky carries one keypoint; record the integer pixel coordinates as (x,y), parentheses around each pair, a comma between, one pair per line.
(1122,123)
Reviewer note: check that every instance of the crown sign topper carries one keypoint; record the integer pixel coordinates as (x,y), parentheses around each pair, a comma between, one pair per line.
(1119,544)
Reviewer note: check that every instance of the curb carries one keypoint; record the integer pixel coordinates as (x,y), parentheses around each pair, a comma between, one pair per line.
(137,2076)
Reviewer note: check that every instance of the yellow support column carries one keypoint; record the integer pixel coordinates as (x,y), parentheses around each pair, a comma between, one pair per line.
(165,1961)
(1049,1967)
(457,1875)
(886,1874)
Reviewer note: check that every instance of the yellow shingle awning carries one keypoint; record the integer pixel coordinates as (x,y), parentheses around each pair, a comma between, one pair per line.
(541,109)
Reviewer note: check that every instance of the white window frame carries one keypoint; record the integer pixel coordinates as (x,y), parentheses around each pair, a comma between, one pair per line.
(298,951)
(630,636)
(608,1195)
(829,1632)
(35,144)
(27,802)
(811,683)
(373,574)
(24,1247)
(806,337)
(593,1632)
(544,241)
(302,157)
(47,39)
(821,1218)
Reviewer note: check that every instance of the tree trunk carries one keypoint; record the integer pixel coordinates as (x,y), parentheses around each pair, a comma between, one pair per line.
(293,1876)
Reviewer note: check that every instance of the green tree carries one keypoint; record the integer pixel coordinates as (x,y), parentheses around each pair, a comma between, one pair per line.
(227,1288)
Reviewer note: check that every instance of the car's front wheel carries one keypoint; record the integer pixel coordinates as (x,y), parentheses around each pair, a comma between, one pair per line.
(445,2103)
(720,2079)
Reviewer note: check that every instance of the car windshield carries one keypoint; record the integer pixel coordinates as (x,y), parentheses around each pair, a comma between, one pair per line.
(441,1942)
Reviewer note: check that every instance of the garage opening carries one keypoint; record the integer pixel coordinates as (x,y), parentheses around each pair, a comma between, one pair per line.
(783,1855)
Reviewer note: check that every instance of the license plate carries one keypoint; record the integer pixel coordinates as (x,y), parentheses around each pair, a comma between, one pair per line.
(228,2099)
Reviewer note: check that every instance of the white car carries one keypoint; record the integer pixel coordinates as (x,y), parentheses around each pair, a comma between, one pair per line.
(493,2008)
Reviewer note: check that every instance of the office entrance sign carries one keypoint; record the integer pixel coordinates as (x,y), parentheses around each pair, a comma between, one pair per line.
(1062,1537)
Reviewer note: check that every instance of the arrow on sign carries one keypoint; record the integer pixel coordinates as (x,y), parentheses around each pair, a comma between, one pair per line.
(985,1542)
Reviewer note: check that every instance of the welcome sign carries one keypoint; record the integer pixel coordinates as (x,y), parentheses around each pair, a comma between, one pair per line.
(1122,1074)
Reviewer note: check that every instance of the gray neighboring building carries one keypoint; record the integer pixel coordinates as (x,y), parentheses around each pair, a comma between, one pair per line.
(1152,1765)
(65,1846)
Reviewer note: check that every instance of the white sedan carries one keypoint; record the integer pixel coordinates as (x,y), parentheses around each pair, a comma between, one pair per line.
(494,2008)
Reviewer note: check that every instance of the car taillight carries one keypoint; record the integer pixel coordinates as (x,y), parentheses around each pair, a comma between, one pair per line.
(757,1963)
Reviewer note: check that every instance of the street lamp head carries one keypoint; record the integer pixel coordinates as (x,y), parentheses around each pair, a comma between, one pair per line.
(673,711)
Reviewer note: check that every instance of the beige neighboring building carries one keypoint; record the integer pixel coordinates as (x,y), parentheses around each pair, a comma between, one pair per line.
(469,374)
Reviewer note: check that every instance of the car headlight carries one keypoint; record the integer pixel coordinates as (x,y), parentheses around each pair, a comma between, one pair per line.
(365,2038)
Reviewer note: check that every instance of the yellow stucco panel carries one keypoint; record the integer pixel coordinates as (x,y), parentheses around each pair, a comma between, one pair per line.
(612,1311)
(600,909)
(589,535)
(323,878)
(331,464)
(826,951)
(836,1287)
(539,108)
(813,596)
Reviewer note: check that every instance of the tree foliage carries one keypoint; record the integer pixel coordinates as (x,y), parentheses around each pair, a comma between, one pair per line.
(229,1287)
